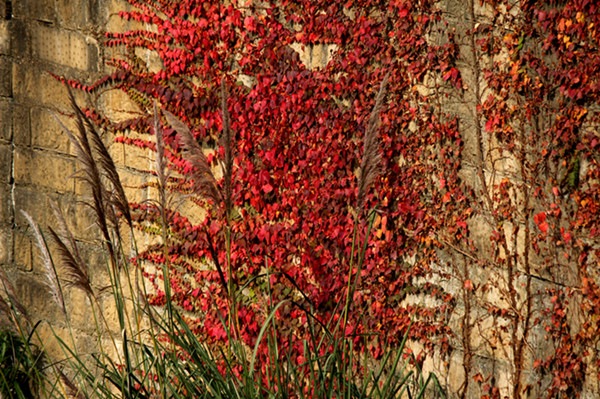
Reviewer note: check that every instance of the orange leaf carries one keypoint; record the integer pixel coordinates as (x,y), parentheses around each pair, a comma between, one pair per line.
(469,285)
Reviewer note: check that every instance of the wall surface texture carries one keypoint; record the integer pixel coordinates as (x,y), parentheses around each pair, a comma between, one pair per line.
(37,160)
(37,163)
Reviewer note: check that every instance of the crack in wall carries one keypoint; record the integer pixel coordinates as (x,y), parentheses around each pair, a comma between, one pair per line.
(13,203)
(8,10)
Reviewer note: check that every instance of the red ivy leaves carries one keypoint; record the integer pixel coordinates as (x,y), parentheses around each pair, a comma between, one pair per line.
(540,220)
(298,136)
(298,142)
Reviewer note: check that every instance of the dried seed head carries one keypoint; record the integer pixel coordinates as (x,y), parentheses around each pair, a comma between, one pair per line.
(371,160)
(49,269)
(226,140)
(11,293)
(74,273)
(205,183)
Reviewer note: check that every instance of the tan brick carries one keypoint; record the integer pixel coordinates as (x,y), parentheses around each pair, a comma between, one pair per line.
(21,128)
(114,22)
(456,374)
(20,44)
(316,56)
(5,203)
(40,10)
(64,47)
(110,311)
(6,110)
(5,246)
(118,106)
(193,212)
(22,250)
(4,38)
(5,77)
(79,308)
(33,86)
(48,339)
(117,152)
(95,259)
(322,54)
(5,163)
(32,201)
(27,83)
(94,62)
(47,133)
(41,169)
(138,158)
(52,92)
(114,6)
(132,182)
(35,296)
(153,61)
(60,46)
(81,219)
(23,81)
(73,13)
(128,156)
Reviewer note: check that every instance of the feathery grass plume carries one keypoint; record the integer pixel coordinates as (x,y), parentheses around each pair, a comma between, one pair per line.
(75,274)
(111,212)
(91,175)
(63,230)
(370,163)
(49,269)
(11,293)
(204,181)
(203,172)
(162,171)
(228,146)
(160,151)
(117,197)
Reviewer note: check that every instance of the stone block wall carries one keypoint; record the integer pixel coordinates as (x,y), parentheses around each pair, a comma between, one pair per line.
(37,162)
